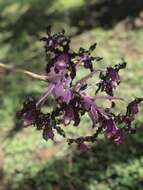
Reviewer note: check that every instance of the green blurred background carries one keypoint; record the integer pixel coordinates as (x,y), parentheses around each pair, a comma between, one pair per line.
(27,162)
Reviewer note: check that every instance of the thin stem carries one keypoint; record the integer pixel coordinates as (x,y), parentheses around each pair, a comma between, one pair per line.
(85,78)
(28,73)
(92,85)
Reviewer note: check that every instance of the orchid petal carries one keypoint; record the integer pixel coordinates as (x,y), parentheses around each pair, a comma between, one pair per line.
(44,97)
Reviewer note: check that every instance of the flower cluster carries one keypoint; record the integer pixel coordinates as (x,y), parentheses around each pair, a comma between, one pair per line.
(71,98)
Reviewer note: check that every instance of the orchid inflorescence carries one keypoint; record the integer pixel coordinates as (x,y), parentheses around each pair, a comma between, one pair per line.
(71,98)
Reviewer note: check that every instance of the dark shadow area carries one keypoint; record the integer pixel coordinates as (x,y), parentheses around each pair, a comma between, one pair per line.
(99,166)
(104,13)
(36,18)
(23,28)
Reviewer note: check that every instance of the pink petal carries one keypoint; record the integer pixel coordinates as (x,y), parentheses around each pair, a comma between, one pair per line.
(83,146)
(44,97)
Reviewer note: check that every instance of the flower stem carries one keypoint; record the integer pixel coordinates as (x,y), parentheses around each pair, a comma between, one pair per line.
(28,73)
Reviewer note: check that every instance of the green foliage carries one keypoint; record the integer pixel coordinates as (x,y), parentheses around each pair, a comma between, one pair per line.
(103,167)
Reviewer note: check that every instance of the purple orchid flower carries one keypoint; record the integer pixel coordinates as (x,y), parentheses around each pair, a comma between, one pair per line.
(29,118)
(111,131)
(113,75)
(44,97)
(68,115)
(83,146)
(28,112)
(61,91)
(109,80)
(92,109)
(48,133)
(110,128)
(133,108)
(62,62)
(71,98)
(119,137)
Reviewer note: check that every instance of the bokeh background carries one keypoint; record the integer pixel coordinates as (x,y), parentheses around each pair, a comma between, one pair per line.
(28,162)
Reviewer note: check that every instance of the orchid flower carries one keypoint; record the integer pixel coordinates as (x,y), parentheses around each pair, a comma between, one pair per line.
(71,96)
